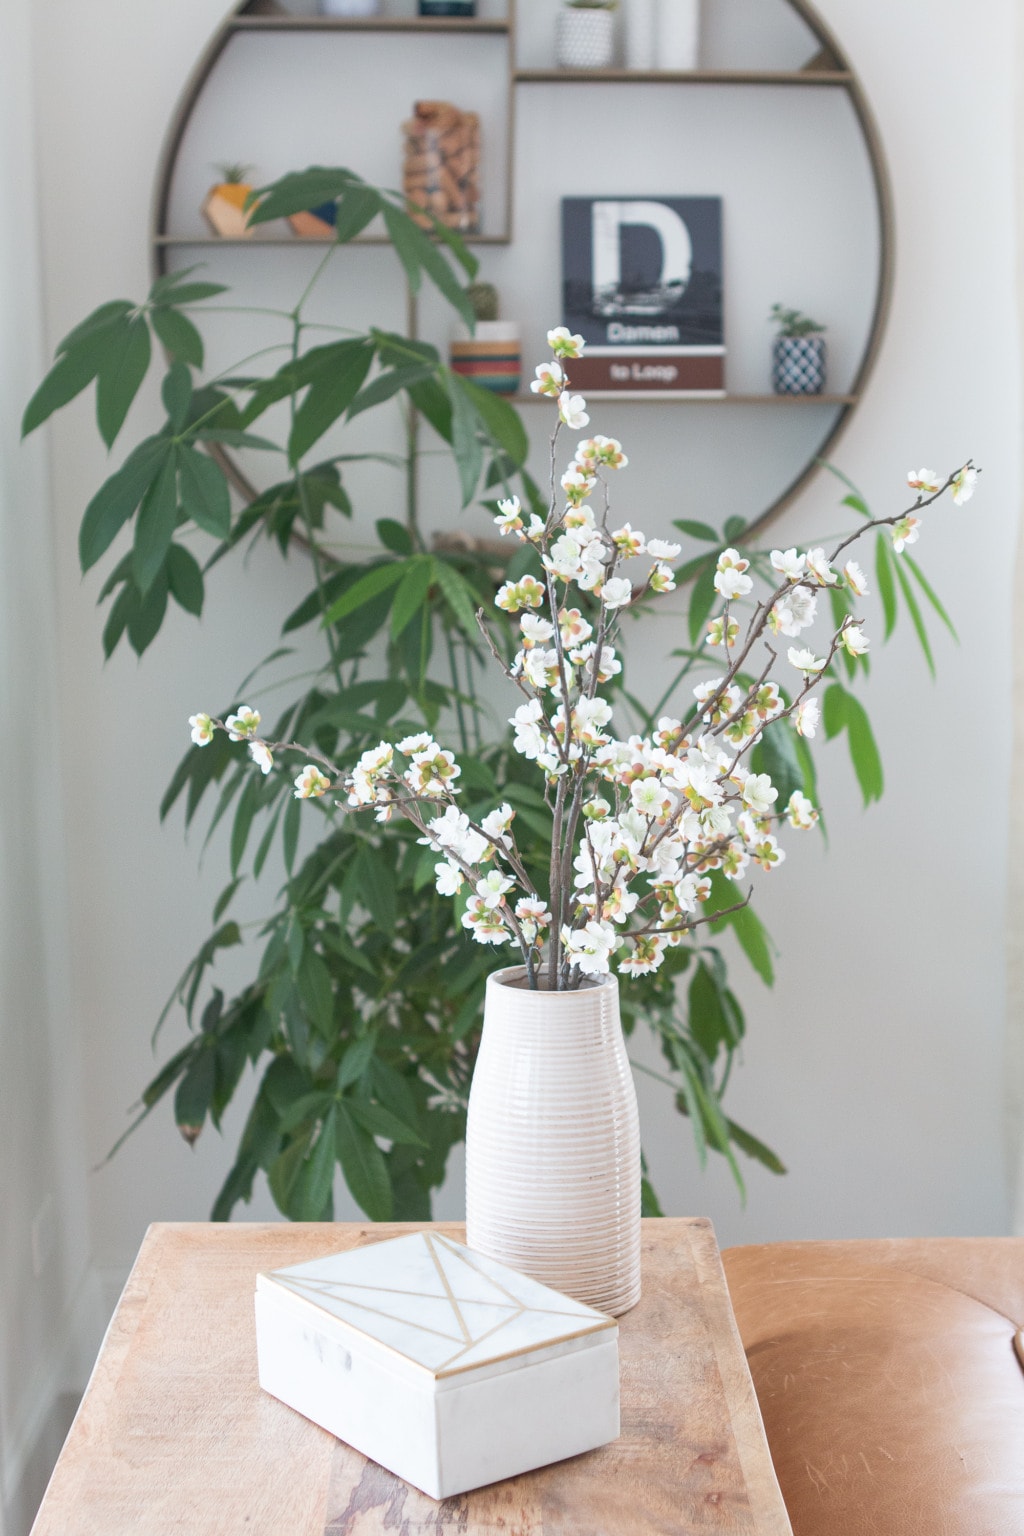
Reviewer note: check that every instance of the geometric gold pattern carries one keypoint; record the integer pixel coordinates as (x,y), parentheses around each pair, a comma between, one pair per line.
(438,1304)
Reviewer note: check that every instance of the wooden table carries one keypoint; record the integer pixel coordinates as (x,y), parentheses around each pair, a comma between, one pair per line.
(174,1434)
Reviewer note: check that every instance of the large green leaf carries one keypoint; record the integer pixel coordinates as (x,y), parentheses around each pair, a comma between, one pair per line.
(204,491)
(117,498)
(459,596)
(336,373)
(886,581)
(466,445)
(179,336)
(377,580)
(842,711)
(418,253)
(412,593)
(154,527)
(363,1165)
(144,621)
(501,421)
(176,392)
(185,578)
(299,191)
(702,600)
(70,374)
(121,373)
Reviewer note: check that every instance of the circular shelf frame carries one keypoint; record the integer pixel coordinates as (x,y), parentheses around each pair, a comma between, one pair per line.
(829,67)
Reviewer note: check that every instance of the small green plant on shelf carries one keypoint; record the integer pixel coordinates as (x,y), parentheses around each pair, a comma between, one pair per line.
(483,300)
(792,322)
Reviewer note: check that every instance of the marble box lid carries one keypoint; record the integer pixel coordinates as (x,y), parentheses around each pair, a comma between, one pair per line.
(437,1305)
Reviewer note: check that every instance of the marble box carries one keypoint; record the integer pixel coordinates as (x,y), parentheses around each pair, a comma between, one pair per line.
(444,1366)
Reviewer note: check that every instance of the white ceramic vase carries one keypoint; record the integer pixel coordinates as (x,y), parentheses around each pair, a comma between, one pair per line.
(678,31)
(639,19)
(553,1141)
(584,38)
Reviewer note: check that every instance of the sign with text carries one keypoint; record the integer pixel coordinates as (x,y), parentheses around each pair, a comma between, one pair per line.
(642,283)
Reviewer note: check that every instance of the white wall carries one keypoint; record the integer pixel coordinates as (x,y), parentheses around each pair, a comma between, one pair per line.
(47,1317)
(875,1066)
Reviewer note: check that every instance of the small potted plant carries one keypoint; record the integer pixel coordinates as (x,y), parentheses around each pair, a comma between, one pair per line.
(224,208)
(489,355)
(584,38)
(798,353)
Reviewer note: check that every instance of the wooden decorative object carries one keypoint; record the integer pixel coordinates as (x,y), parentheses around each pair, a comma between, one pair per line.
(224,208)
(315,223)
(442,164)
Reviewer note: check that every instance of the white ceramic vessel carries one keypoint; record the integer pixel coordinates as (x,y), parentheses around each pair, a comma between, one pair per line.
(584,38)
(678,33)
(553,1141)
(639,23)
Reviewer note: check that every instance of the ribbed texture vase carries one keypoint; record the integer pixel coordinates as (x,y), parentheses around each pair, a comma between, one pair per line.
(553,1142)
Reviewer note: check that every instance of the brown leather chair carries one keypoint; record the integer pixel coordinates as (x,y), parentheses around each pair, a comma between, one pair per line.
(890,1381)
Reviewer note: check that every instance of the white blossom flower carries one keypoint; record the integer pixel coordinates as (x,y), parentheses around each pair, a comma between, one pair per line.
(662,579)
(508,518)
(532,916)
(590,948)
(588,717)
(243,725)
(491,889)
(925,481)
(431,772)
(311,783)
(536,631)
(421,742)
(759,793)
(565,344)
(601,451)
(646,955)
(663,549)
(806,717)
(628,541)
(497,824)
(854,640)
(905,532)
(484,923)
(550,379)
(578,483)
(806,661)
(719,631)
(796,610)
(730,580)
(262,755)
(573,411)
(617,592)
(788,563)
(819,568)
(650,798)
(855,579)
(963,484)
(800,813)
(449,878)
(573,626)
(767,853)
(202,729)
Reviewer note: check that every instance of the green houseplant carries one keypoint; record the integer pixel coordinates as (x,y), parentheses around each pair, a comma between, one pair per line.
(357,945)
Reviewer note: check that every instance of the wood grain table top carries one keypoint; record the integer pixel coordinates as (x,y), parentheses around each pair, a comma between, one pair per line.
(175,1436)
